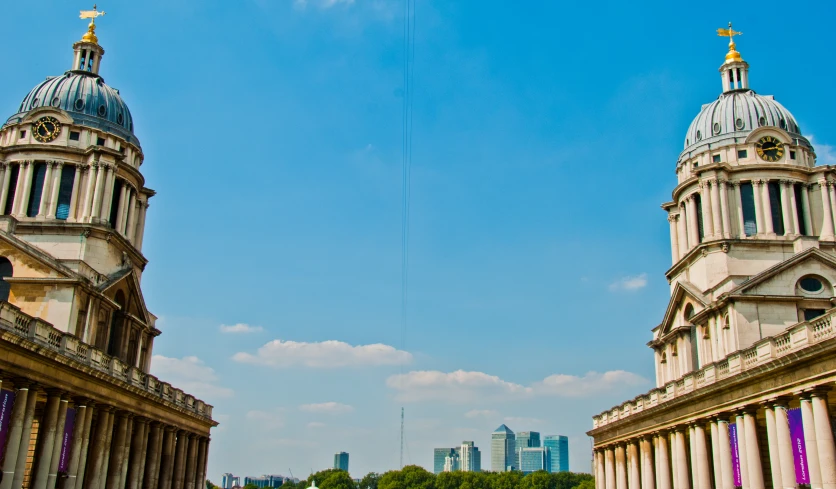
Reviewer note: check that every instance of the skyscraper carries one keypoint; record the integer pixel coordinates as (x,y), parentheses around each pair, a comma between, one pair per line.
(532,459)
(503,447)
(528,439)
(558,446)
(341,461)
(440,455)
(471,458)
(452,463)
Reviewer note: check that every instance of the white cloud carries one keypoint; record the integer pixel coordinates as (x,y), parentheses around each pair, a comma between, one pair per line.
(191,375)
(630,283)
(316,424)
(825,153)
(269,420)
(325,354)
(481,413)
(461,386)
(327,408)
(240,328)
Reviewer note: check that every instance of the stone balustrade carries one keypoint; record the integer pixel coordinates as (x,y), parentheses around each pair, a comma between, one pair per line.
(44,334)
(796,338)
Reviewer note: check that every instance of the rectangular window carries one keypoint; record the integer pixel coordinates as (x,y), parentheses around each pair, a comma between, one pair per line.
(100,142)
(698,198)
(74,135)
(65,192)
(114,205)
(799,207)
(10,199)
(37,190)
(792,155)
(742,154)
(22,134)
(715,158)
(747,202)
(810,314)
(775,207)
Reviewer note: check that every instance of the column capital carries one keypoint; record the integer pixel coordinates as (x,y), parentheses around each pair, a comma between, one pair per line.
(817,391)
(782,401)
(673,217)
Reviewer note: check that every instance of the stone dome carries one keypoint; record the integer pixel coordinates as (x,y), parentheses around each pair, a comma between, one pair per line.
(733,116)
(88,100)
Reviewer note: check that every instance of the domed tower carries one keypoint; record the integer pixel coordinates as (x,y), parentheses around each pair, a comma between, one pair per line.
(72,191)
(749,198)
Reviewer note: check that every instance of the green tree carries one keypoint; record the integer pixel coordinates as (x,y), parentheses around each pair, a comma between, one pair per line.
(504,480)
(410,477)
(538,480)
(587,484)
(370,481)
(251,486)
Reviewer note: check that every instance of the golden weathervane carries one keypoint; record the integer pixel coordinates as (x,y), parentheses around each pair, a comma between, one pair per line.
(90,36)
(732,55)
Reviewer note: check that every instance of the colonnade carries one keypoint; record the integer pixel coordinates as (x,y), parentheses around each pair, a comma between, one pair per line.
(105,448)
(721,206)
(90,201)
(702,453)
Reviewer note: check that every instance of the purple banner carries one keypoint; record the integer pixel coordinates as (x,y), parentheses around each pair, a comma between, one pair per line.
(67,441)
(799,450)
(7,400)
(735,455)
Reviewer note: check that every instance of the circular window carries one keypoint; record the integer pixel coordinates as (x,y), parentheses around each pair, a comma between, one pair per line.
(119,119)
(739,124)
(810,284)
(716,128)
(79,104)
(56,102)
(102,110)
(782,123)
(762,121)
(699,135)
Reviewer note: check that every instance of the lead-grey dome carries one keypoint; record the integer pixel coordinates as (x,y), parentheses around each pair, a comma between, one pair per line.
(733,116)
(87,98)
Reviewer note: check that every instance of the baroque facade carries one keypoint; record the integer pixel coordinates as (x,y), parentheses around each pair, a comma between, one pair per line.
(746,351)
(78,407)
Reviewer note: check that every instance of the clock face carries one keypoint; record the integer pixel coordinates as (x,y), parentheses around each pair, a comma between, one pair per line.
(770,148)
(46,129)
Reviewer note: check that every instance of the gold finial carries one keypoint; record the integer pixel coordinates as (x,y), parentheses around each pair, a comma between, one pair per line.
(90,35)
(732,56)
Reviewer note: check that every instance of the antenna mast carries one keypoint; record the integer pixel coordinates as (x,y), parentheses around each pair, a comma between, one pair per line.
(401,437)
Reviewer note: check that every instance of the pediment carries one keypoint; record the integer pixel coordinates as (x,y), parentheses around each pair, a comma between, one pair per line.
(783,278)
(123,288)
(685,295)
(29,261)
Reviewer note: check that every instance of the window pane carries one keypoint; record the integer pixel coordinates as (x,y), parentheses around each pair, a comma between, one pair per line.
(114,203)
(37,190)
(799,207)
(747,197)
(10,199)
(699,217)
(65,192)
(810,314)
(775,207)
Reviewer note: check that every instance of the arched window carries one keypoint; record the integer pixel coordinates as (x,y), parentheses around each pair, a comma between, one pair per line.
(114,344)
(664,358)
(688,313)
(6,270)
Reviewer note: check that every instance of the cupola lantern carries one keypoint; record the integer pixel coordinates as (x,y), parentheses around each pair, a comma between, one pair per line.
(87,54)
(735,71)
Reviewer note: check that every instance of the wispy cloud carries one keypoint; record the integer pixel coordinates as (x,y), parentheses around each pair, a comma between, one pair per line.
(324,354)
(481,413)
(269,420)
(461,386)
(327,408)
(240,328)
(189,374)
(316,424)
(629,283)
(825,153)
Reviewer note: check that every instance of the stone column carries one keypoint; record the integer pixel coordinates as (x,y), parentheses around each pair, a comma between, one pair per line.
(108,451)
(15,435)
(191,463)
(139,441)
(95,464)
(824,439)
(724,444)
(827,218)
(130,230)
(647,464)
(120,208)
(772,442)
(98,190)
(130,200)
(46,440)
(46,186)
(22,180)
(55,459)
(110,182)
(56,188)
(85,444)
(785,207)
(74,194)
(609,468)
(769,226)
(663,466)
(152,459)
(757,190)
(796,226)
(693,226)
(620,467)
(738,206)
(805,208)
(831,189)
(167,464)
(672,218)
(140,227)
(600,474)
(715,455)
(724,208)
(810,441)
(673,444)
(702,458)
(692,451)
(89,194)
(681,456)
(4,188)
(782,431)
(126,453)
(682,231)
(707,210)
(23,451)
(75,450)
(716,213)
(202,462)
(753,458)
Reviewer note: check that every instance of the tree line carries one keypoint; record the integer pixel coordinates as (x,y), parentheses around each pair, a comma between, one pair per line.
(415,477)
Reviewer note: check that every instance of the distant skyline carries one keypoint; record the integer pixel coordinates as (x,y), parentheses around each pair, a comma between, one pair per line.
(545,138)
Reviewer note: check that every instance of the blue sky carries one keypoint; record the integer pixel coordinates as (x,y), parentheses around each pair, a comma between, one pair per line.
(545,138)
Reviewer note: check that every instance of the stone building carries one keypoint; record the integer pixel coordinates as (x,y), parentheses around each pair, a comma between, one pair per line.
(78,408)
(746,351)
